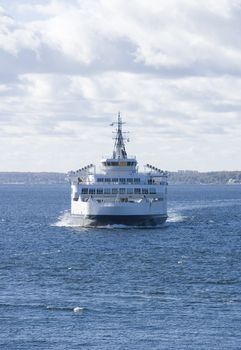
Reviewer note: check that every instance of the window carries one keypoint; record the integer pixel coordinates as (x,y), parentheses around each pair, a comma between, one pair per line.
(115,180)
(137,181)
(137,190)
(144,191)
(152,190)
(114,190)
(122,190)
(84,191)
(100,179)
(122,181)
(106,190)
(150,181)
(129,190)
(92,191)
(107,179)
(129,181)
(99,191)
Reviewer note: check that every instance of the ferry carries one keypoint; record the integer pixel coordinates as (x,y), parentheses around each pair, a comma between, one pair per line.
(119,193)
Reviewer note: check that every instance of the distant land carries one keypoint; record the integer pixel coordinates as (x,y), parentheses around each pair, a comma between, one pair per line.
(32,178)
(205,178)
(178,177)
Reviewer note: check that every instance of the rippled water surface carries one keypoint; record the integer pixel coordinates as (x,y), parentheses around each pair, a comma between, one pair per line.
(67,287)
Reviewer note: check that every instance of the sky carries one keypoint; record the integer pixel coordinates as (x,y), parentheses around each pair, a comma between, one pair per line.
(171,67)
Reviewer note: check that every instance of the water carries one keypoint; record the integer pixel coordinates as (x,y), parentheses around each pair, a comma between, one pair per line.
(65,287)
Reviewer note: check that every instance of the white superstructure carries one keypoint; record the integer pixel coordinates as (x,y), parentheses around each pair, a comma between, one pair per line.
(119,194)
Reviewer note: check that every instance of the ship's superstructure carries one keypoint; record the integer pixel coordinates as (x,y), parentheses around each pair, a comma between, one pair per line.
(119,194)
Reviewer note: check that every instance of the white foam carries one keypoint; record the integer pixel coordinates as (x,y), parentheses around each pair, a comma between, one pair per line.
(78,309)
(67,220)
(205,204)
(176,217)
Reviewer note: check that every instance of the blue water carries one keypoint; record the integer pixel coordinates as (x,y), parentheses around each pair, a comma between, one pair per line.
(64,287)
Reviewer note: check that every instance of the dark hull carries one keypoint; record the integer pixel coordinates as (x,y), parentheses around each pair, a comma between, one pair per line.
(132,220)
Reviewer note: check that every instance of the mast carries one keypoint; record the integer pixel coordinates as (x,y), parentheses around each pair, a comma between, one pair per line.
(119,151)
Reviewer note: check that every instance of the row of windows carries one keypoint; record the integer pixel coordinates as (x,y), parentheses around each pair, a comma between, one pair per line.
(119,163)
(117,180)
(123,181)
(118,190)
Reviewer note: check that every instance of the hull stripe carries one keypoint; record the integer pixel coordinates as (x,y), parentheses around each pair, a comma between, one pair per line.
(140,220)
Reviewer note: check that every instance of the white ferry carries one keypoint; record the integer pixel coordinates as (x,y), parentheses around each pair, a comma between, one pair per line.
(119,193)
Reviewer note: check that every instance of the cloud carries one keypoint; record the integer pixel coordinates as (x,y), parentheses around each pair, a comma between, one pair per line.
(172,38)
(173,69)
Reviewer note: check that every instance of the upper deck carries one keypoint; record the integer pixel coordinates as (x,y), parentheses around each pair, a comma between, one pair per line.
(110,178)
(119,169)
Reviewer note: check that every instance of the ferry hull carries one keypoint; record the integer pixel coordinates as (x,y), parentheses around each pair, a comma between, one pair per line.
(130,220)
(143,213)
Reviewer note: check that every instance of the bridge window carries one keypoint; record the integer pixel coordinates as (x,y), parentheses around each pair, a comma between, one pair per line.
(129,181)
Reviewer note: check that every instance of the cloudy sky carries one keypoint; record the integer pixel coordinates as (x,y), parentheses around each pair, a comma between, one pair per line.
(172,67)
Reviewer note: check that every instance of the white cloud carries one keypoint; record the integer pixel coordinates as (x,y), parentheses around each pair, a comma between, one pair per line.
(173,68)
(175,34)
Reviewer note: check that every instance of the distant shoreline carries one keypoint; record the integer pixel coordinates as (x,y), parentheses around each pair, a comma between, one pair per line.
(182,177)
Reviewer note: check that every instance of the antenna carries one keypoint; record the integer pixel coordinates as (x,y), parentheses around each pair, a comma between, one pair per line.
(119,146)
